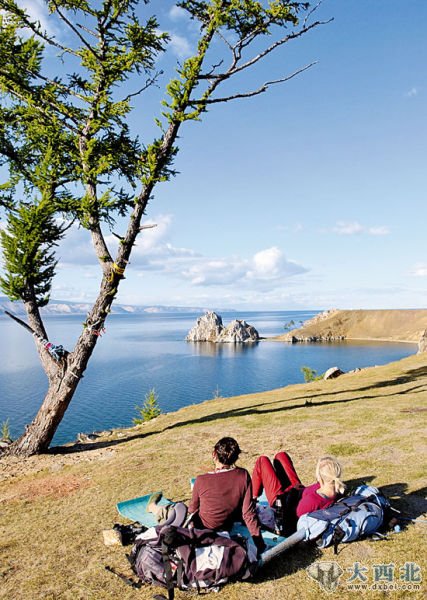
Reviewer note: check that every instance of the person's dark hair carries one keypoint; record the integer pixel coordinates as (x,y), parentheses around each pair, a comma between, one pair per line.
(227,450)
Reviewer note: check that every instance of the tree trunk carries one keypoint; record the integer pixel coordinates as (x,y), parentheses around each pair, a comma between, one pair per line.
(65,376)
(39,433)
(64,379)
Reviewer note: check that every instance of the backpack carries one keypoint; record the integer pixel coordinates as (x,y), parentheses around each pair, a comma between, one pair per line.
(347,520)
(171,556)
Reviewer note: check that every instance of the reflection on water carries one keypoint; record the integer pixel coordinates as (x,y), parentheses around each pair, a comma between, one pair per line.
(139,352)
(224,350)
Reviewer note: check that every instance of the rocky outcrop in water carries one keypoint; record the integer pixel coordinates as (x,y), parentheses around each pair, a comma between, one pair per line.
(207,328)
(210,328)
(237,332)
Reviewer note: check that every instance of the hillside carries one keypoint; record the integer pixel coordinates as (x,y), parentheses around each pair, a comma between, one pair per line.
(55,507)
(390,325)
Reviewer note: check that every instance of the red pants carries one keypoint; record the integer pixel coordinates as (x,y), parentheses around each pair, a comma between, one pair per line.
(276,478)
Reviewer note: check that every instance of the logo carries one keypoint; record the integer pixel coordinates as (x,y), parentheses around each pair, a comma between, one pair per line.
(327,574)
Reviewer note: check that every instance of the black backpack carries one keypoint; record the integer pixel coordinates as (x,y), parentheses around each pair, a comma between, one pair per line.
(189,559)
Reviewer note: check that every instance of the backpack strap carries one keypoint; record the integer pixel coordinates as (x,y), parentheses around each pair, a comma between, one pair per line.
(168,570)
(337,537)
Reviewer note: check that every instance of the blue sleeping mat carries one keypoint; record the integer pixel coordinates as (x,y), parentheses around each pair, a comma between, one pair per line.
(136,510)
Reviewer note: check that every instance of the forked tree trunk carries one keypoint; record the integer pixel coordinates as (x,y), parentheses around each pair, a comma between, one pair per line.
(39,434)
(64,376)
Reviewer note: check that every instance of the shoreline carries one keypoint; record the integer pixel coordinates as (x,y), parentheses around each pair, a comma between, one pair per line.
(279,338)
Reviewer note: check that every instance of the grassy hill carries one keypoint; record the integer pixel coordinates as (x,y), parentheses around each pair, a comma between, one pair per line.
(404,325)
(54,507)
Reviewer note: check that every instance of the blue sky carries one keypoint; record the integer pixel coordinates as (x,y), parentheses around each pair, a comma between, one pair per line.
(311,195)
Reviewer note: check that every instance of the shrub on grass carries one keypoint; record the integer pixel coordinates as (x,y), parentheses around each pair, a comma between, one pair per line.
(310,374)
(5,430)
(150,409)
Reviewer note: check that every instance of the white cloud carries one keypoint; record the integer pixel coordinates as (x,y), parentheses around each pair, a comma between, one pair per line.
(296,228)
(154,253)
(419,270)
(266,268)
(412,92)
(76,248)
(344,228)
(181,47)
(381,230)
(355,228)
(177,13)
(37,10)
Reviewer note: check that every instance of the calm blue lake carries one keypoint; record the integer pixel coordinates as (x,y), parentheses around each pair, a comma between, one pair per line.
(140,352)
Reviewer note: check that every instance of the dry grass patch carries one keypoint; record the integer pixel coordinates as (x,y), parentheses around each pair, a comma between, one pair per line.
(50,486)
(50,534)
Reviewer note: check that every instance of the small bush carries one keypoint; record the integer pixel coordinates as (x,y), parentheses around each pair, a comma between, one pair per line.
(310,374)
(5,430)
(150,409)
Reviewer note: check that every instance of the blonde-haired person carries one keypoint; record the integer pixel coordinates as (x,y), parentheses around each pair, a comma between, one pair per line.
(285,492)
(327,488)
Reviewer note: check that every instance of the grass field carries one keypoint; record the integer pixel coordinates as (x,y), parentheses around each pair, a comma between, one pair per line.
(54,507)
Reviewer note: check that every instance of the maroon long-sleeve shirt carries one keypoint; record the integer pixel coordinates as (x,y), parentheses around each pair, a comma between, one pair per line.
(311,500)
(223,497)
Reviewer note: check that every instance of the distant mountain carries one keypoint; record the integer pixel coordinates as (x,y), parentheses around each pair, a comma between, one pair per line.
(63,307)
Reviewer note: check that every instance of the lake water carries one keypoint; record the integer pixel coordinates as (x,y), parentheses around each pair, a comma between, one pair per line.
(139,352)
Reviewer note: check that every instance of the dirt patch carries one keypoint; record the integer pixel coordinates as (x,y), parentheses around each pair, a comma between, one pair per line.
(13,466)
(53,487)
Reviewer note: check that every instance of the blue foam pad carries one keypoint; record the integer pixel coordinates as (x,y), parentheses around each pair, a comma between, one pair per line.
(136,509)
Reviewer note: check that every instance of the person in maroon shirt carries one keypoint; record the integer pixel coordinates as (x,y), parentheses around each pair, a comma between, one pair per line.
(326,490)
(287,495)
(224,495)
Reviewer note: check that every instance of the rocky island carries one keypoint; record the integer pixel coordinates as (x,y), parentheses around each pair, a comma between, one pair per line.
(210,328)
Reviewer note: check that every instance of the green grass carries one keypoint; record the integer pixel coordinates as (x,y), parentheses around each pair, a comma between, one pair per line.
(343,449)
(54,507)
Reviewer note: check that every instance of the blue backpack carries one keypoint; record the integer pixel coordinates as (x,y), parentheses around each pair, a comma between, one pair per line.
(347,520)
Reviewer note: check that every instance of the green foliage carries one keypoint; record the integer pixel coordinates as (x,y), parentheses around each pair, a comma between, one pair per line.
(310,374)
(5,430)
(28,249)
(150,409)
(65,140)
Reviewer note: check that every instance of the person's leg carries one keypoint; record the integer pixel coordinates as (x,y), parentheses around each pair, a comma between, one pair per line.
(285,471)
(264,477)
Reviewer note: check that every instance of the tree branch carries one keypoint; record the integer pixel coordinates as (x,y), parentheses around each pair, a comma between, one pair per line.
(75,30)
(36,29)
(233,69)
(260,90)
(150,81)
(58,108)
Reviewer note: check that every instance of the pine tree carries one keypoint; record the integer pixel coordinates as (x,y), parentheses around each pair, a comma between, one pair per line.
(72,158)
(150,409)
